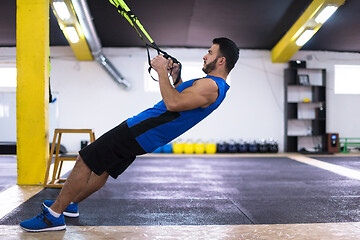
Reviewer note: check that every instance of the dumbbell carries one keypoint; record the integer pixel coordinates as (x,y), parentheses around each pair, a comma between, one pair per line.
(210,148)
(233,147)
(222,147)
(158,150)
(253,147)
(199,147)
(178,147)
(263,146)
(167,148)
(273,146)
(189,147)
(243,146)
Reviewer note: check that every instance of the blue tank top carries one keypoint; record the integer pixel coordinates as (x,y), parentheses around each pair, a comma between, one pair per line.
(157,126)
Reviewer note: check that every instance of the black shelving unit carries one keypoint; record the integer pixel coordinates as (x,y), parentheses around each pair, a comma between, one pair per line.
(305,92)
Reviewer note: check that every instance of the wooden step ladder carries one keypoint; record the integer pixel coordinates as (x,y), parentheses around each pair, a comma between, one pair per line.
(56,181)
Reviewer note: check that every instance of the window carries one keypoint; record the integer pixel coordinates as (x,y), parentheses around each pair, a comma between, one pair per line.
(8,77)
(347,79)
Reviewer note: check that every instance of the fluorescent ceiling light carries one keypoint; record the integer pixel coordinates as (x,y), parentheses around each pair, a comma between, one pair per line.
(62,10)
(325,14)
(72,34)
(305,36)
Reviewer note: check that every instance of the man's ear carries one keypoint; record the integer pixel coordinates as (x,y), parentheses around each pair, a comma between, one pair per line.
(222,60)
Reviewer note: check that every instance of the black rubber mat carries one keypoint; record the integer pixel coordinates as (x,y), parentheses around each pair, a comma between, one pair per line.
(292,192)
(208,191)
(134,212)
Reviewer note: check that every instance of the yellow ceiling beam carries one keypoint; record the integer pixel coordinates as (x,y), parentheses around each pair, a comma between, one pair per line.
(287,46)
(68,21)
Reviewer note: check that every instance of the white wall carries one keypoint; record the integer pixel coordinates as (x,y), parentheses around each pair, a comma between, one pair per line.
(253,109)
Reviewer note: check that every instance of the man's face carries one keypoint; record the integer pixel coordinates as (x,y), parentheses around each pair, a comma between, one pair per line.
(210,59)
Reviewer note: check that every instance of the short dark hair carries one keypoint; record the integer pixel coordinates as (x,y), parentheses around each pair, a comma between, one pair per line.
(229,50)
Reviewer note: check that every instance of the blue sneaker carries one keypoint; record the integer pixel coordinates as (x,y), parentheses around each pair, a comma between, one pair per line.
(71,211)
(44,222)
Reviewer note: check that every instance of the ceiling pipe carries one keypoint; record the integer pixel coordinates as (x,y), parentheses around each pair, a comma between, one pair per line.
(114,73)
(83,13)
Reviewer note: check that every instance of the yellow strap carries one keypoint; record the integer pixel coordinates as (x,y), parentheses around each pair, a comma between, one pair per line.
(124,6)
(130,20)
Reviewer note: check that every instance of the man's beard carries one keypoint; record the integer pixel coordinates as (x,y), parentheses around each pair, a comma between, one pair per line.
(210,66)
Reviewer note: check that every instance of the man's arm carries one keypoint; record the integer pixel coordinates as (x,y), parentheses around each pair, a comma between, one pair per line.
(202,93)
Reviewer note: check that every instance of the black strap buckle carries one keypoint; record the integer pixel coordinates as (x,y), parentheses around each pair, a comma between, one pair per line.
(165,55)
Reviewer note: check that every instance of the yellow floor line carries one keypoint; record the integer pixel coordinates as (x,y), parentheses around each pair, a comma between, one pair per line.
(343,171)
(328,231)
(14,196)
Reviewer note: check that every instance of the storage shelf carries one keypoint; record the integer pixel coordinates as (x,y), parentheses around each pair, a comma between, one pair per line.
(313,123)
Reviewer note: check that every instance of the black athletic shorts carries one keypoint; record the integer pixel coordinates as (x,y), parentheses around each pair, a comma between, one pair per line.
(113,152)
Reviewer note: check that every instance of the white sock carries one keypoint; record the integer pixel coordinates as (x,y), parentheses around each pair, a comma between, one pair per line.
(55,214)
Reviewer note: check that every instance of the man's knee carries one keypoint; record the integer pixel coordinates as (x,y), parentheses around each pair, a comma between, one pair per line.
(104,177)
(79,158)
(81,164)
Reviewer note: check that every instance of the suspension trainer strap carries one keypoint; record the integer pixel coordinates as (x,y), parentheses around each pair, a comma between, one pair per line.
(125,11)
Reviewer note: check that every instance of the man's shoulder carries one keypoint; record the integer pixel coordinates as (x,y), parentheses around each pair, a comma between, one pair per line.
(206,81)
(205,86)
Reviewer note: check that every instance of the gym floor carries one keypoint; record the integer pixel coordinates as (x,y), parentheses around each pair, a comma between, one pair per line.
(275,196)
